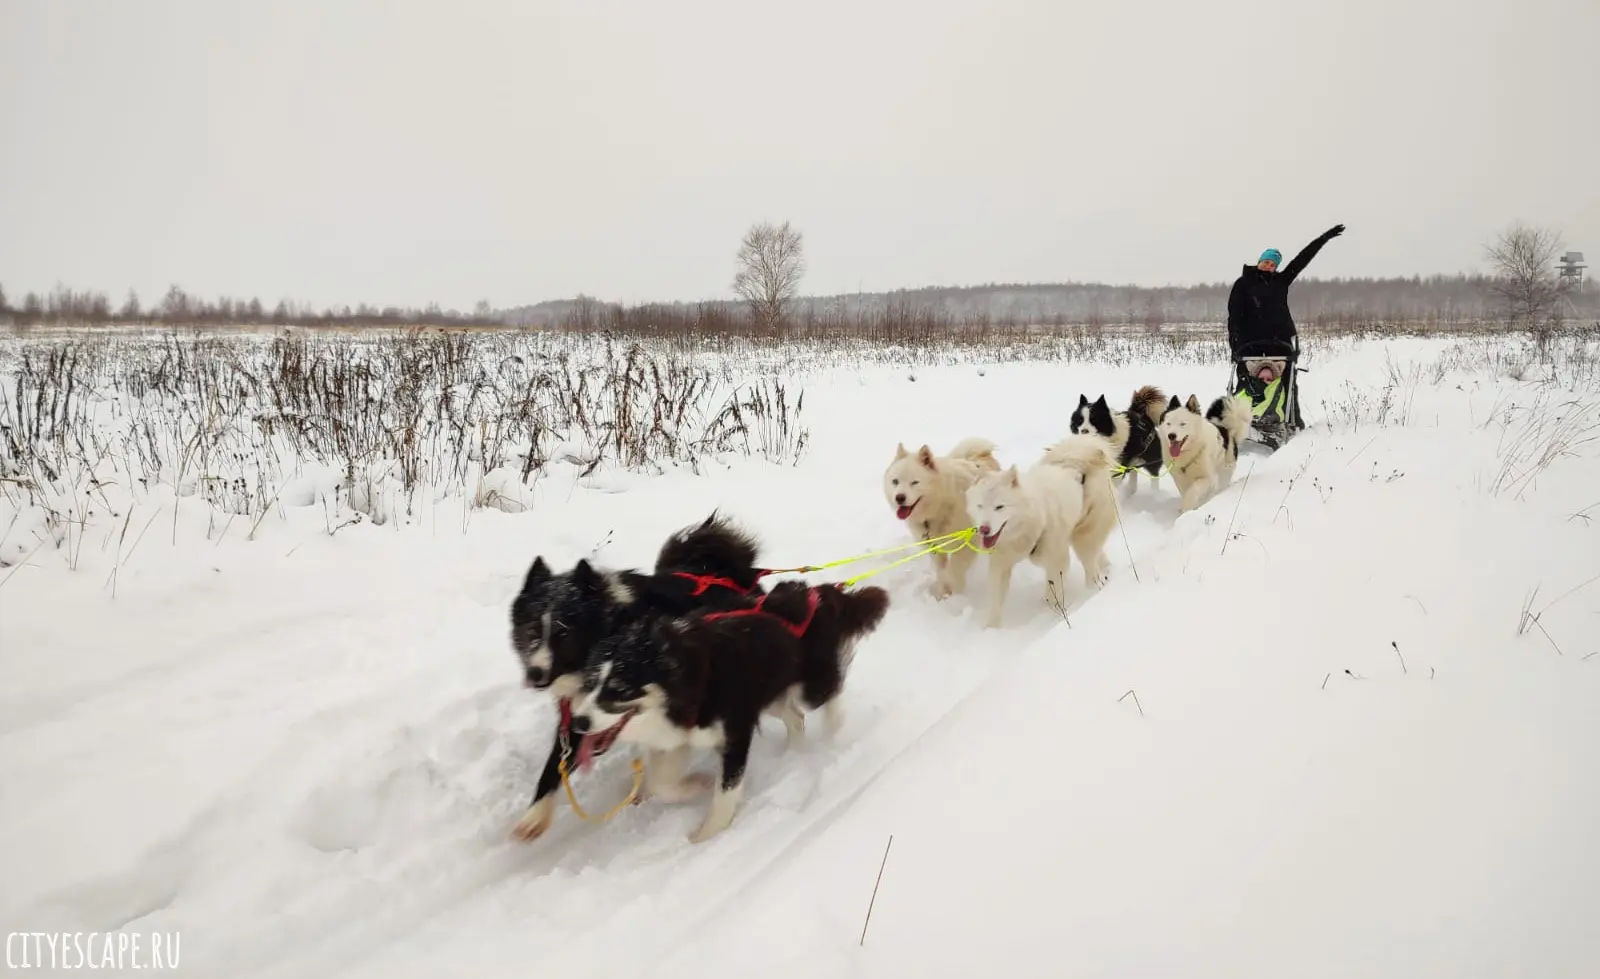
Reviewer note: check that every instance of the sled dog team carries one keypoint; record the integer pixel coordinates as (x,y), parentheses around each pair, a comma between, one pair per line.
(692,653)
(1063,504)
(688,655)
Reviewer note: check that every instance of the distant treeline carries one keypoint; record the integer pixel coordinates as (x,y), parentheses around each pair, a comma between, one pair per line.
(180,308)
(1438,301)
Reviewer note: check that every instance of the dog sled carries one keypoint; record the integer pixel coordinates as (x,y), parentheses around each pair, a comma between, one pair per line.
(1267,371)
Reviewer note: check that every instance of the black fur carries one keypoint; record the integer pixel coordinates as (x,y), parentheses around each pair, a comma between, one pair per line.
(586,606)
(728,667)
(1143,448)
(1214,416)
(839,619)
(712,547)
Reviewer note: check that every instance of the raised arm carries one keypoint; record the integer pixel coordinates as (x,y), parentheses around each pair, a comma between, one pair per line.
(1299,262)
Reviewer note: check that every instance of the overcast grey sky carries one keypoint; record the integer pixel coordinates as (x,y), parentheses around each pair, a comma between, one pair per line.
(520,150)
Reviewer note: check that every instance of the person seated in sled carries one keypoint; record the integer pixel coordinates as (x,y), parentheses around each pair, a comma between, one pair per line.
(1258,316)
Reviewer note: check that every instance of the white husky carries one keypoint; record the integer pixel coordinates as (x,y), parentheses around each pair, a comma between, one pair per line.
(1201,452)
(928,492)
(1064,503)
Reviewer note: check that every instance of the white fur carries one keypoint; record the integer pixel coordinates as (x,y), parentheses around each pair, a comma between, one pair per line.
(652,730)
(568,686)
(789,711)
(618,589)
(724,803)
(1204,467)
(667,777)
(1119,428)
(537,819)
(541,656)
(832,718)
(1063,504)
(667,750)
(936,486)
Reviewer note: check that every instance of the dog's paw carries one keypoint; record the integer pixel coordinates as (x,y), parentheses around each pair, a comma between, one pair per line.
(708,829)
(535,821)
(832,719)
(794,727)
(941,590)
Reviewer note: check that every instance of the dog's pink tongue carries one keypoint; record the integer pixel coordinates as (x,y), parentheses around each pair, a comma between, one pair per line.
(1177,447)
(903,512)
(585,753)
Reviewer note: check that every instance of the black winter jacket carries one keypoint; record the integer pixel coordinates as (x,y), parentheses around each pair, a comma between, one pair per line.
(1258,306)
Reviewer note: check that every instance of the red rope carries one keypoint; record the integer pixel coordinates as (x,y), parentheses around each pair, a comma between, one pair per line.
(703,583)
(812,601)
(566,716)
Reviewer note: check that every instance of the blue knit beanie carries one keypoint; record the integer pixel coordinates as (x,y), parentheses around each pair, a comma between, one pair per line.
(1272,253)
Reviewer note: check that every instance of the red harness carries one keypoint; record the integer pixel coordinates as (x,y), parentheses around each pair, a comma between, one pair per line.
(812,601)
(566,717)
(703,583)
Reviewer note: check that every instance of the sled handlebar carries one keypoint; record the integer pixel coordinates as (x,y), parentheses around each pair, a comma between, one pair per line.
(1267,348)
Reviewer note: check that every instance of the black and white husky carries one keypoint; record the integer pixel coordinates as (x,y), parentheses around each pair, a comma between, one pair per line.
(1132,432)
(704,680)
(1202,450)
(558,619)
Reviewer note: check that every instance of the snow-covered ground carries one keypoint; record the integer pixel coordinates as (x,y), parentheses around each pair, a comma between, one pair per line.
(1342,721)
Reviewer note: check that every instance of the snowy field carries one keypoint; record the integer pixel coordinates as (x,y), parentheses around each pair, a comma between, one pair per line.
(256,689)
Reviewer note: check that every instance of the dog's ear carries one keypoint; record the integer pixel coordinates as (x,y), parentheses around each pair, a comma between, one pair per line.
(537,575)
(1011,476)
(900,452)
(1174,404)
(1193,404)
(1100,401)
(925,456)
(1083,399)
(585,577)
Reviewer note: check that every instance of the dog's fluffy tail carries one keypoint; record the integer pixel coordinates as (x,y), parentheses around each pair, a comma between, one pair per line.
(979,450)
(1148,399)
(714,547)
(843,616)
(1085,453)
(1233,414)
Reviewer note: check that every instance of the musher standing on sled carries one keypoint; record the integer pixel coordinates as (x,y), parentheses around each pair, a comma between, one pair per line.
(1258,310)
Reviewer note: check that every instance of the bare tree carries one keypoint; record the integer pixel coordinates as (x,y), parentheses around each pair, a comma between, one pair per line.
(1523,276)
(130,307)
(176,306)
(771,263)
